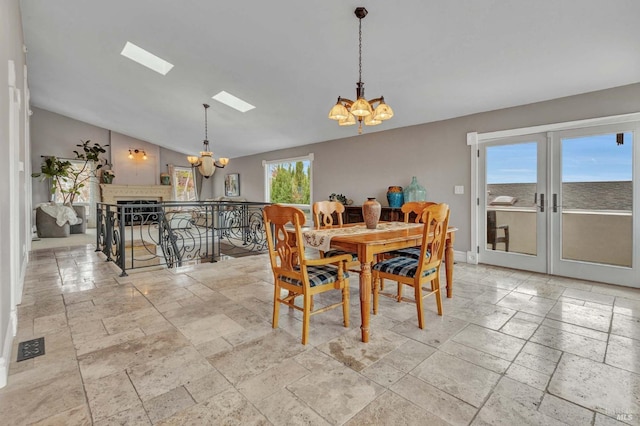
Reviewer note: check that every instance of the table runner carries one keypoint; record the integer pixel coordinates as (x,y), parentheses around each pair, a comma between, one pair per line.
(321,238)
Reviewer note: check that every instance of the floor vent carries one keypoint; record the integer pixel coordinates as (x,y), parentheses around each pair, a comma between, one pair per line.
(30,349)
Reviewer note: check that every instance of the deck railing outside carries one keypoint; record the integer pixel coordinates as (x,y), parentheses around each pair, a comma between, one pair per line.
(599,236)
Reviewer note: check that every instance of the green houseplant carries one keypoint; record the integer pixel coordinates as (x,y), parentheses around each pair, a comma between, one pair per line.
(67,179)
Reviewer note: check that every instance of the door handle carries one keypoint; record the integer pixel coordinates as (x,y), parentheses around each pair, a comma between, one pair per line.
(555,203)
(541,203)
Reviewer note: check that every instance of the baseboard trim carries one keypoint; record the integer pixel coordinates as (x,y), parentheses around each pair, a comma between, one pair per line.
(459,256)
(5,359)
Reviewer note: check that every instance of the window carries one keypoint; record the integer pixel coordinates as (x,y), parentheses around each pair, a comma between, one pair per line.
(184,184)
(289,181)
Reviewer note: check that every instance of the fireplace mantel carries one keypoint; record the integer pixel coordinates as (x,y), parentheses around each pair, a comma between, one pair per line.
(111,194)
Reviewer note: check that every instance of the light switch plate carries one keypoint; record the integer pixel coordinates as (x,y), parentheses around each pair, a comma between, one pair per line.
(458,189)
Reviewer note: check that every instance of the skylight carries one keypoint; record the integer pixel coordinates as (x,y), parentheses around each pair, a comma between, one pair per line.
(145,58)
(230,100)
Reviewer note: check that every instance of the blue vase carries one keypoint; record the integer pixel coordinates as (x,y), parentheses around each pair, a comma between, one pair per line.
(395,197)
(415,191)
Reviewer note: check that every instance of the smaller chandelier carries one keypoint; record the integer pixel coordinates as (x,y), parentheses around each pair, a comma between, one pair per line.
(346,111)
(206,163)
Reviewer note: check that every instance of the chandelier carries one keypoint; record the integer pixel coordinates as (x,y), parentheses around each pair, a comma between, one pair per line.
(346,111)
(206,164)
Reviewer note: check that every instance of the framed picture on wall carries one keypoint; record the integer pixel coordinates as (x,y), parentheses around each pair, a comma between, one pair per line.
(232,185)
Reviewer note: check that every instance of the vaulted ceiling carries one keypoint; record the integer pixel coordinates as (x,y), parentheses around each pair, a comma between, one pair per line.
(431,59)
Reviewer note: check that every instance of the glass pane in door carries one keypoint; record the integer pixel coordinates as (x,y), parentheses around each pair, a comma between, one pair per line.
(511,182)
(596,198)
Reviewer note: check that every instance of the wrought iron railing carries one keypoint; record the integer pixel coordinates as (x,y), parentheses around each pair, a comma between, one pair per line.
(136,234)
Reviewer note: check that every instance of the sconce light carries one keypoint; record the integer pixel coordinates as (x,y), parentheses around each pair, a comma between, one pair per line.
(136,152)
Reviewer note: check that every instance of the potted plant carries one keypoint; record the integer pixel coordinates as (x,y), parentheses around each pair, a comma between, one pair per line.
(108,176)
(68,180)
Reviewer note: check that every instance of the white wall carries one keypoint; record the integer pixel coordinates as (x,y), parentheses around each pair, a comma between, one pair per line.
(14,167)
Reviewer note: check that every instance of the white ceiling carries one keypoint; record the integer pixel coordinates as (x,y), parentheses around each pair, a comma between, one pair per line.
(431,59)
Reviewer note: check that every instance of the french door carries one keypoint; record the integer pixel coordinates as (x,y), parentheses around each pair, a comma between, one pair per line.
(562,203)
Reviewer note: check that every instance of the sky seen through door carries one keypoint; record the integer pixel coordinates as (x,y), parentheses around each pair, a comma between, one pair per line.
(597,158)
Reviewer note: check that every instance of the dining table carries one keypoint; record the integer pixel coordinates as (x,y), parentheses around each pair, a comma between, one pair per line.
(368,243)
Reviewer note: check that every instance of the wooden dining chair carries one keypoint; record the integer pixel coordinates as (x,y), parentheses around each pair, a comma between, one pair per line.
(300,276)
(327,214)
(417,272)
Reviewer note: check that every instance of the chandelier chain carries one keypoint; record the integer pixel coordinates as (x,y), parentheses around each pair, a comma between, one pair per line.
(360,50)
(206,138)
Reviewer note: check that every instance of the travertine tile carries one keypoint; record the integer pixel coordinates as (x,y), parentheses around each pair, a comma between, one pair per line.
(160,375)
(518,327)
(208,386)
(580,315)
(167,404)
(133,416)
(318,391)
(229,404)
(266,383)
(489,341)
(491,365)
(569,342)
(474,356)
(501,410)
(283,407)
(111,395)
(566,412)
(247,360)
(596,386)
(624,353)
(623,325)
(530,377)
(483,314)
(589,296)
(451,409)
(390,408)
(76,416)
(134,352)
(575,329)
(527,303)
(460,378)
(349,350)
(383,373)
(437,330)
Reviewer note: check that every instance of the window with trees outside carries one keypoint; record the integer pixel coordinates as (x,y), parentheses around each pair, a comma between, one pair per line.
(184,185)
(289,181)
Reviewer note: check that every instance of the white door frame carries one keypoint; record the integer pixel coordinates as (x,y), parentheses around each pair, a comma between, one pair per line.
(474,139)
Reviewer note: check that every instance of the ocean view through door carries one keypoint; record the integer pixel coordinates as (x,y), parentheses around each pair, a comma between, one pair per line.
(561,203)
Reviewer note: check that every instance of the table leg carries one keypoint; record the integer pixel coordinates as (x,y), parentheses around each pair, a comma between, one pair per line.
(365,298)
(448,263)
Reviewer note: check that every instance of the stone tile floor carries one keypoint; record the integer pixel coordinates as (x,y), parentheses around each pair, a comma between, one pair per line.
(195,346)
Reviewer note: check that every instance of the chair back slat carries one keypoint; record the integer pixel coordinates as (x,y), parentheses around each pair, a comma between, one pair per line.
(284,252)
(415,207)
(323,213)
(436,220)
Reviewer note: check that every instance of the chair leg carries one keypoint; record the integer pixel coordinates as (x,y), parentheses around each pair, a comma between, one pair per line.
(306,314)
(276,305)
(436,283)
(376,285)
(345,303)
(418,296)
(400,285)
